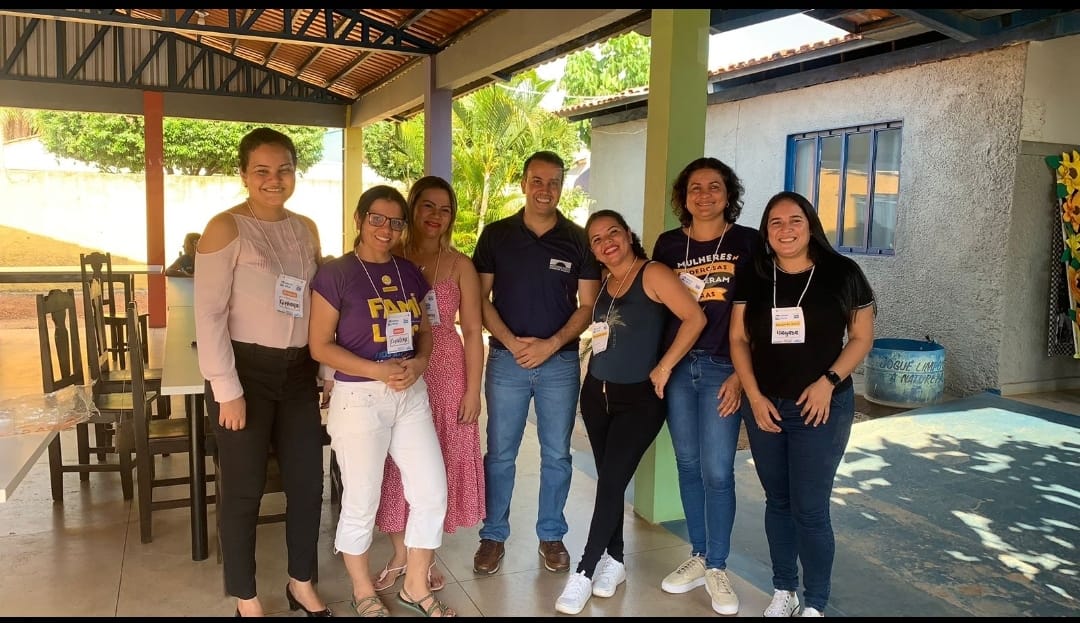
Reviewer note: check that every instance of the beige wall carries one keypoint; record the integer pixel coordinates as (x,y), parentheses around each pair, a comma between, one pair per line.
(962,128)
(108,211)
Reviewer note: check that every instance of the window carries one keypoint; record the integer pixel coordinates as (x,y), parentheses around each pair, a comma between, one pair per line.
(852,175)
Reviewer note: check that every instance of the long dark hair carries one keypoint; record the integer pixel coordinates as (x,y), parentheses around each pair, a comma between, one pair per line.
(731,182)
(370,196)
(635,242)
(853,286)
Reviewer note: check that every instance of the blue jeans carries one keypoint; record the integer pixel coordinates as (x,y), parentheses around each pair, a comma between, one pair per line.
(508,388)
(704,446)
(796,468)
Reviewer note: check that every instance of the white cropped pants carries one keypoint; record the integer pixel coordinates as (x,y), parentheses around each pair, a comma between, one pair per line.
(366,420)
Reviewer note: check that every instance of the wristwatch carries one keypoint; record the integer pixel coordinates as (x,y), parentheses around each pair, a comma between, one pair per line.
(833,377)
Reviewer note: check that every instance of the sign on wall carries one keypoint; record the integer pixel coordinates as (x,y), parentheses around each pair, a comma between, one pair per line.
(1067,169)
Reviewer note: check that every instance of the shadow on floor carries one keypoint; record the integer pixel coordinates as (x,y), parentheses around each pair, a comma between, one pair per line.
(965,508)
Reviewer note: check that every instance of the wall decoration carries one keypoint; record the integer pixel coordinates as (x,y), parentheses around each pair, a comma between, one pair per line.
(1067,255)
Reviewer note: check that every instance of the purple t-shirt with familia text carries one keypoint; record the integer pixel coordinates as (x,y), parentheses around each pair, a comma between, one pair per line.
(364,294)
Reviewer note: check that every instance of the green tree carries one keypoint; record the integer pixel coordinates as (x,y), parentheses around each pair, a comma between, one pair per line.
(494,130)
(618,64)
(114,143)
(396,150)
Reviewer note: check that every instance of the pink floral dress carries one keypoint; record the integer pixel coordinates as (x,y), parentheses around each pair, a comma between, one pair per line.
(460,443)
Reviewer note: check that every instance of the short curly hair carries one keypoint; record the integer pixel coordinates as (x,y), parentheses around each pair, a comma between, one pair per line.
(731,183)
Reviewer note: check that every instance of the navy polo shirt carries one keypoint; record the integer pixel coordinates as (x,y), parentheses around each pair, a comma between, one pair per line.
(536,277)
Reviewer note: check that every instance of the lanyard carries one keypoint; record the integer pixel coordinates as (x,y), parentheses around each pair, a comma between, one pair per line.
(438,258)
(296,241)
(686,256)
(378,292)
(807,287)
(618,290)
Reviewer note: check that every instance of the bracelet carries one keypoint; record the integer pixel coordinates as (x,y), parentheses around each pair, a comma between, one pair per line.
(664,369)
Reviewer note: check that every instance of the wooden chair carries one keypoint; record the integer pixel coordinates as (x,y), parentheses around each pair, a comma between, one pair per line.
(155,437)
(98,266)
(62,366)
(99,359)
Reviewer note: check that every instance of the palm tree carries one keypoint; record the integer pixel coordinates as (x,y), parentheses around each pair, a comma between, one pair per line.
(496,129)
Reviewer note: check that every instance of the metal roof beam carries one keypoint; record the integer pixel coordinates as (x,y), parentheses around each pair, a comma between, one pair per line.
(948,22)
(389,38)
(957,26)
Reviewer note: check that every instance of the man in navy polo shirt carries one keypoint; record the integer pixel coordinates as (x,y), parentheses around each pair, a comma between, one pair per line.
(541,278)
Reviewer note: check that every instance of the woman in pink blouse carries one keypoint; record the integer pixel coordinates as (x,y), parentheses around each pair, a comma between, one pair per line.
(253,265)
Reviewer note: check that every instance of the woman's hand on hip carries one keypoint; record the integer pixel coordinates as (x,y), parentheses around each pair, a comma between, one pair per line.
(232,414)
(815,401)
(659,376)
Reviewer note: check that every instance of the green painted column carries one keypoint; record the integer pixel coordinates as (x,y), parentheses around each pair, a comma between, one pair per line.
(678,76)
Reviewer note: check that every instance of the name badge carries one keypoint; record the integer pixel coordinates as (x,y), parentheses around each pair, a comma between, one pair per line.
(788,325)
(695,284)
(289,295)
(399,332)
(599,337)
(431,306)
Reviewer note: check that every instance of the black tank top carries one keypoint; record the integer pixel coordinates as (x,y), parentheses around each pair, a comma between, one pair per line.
(635,327)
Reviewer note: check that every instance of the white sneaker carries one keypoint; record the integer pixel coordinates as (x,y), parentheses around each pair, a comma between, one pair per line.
(718,585)
(783,604)
(811,612)
(687,577)
(609,574)
(575,594)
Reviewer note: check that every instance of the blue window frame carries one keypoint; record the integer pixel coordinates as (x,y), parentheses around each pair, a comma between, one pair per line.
(852,176)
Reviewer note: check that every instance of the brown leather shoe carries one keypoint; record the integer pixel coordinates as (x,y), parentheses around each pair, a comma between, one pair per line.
(488,557)
(556,558)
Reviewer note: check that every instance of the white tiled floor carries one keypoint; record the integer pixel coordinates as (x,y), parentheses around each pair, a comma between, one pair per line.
(85,558)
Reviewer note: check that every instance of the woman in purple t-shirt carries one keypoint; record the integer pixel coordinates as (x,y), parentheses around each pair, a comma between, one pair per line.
(368,324)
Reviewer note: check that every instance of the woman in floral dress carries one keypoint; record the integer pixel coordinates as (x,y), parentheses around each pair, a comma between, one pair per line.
(453,374)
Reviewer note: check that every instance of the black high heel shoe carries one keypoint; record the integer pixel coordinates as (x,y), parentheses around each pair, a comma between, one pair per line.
(296,605)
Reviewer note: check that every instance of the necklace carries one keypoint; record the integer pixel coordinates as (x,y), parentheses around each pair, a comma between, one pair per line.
(423,267)
(618,290)
(296,241)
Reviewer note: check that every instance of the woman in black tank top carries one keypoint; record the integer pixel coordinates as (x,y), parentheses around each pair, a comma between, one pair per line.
(621,396)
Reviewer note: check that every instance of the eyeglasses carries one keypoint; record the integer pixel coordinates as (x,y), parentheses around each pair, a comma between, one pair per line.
(377,220)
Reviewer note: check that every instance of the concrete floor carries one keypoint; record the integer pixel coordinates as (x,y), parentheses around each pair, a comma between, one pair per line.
(968,508)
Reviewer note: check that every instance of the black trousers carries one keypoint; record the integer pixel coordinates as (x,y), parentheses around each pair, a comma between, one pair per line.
(282,412)
(622,420)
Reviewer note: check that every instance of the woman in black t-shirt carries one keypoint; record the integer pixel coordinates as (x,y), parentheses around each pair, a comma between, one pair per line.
(793,306)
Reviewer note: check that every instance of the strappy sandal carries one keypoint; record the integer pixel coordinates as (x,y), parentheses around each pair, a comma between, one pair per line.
(405,599)
(431,580)
(370,607)
(380,582)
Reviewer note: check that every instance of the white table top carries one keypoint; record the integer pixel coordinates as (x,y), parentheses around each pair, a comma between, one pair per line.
(18,453)
(180,373)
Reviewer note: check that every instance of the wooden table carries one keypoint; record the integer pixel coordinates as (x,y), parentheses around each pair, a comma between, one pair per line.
(18,453)
(180,376)
(68,274)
